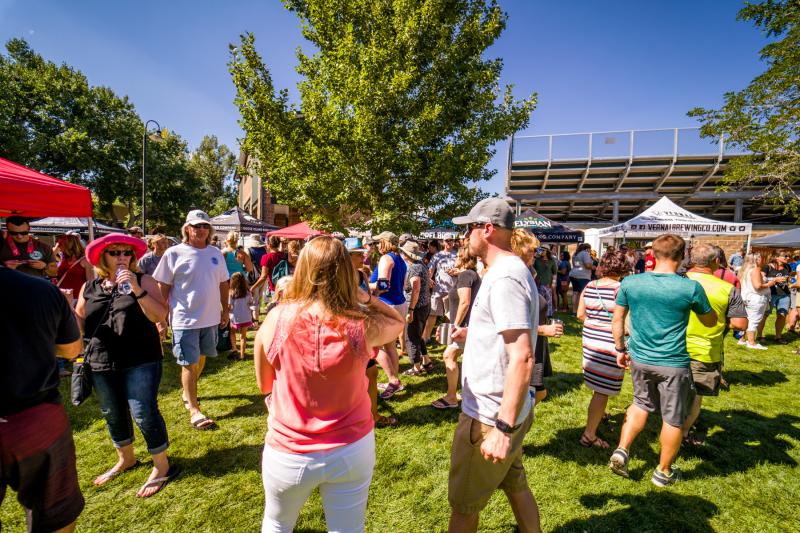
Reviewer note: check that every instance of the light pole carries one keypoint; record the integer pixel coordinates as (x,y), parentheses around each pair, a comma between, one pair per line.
(155,136)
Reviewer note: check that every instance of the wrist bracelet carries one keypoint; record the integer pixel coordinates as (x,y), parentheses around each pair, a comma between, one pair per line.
(137,298)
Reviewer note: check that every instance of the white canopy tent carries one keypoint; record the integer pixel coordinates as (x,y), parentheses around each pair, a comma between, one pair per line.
(667,217)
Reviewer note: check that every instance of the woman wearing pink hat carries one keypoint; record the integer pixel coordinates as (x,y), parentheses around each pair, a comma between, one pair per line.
(124,353)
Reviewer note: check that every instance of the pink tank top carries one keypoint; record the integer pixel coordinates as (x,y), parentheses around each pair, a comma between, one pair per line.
(319,398)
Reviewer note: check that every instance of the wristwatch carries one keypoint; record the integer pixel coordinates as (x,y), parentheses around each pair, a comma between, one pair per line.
(505,428)
(624,349)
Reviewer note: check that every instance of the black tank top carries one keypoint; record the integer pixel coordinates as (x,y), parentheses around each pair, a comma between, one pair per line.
(118,332)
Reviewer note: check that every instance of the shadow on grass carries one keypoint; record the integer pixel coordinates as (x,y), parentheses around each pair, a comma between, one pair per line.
(422,415)
(224,461)
(743,441)
(255,407)
(655,511)
(564,445)
(739,440)
(561,383)
(758,379)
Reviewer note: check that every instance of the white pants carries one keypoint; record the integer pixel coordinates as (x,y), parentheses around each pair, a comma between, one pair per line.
(756,306)
(343,476)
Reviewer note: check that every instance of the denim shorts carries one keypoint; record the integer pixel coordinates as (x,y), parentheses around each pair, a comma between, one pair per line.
(189,344)
(780,303)
(578,284)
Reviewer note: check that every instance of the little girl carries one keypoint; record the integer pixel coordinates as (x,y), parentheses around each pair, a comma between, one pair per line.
(240,301)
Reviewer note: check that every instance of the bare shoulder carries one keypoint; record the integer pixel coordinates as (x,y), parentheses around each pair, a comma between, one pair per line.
(267,328)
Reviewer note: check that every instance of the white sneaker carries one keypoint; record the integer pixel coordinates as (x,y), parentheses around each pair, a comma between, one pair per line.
(756,347)
(742,341)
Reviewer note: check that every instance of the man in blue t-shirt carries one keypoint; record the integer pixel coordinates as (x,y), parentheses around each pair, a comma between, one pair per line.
(659,303)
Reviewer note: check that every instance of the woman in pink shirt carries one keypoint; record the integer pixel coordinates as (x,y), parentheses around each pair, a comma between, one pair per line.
(310,355)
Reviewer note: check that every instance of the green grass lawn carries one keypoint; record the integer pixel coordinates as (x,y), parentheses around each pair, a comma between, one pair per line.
(745,479)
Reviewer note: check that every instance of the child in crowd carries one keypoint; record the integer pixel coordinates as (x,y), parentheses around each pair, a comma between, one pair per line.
(241,319)
(280,289)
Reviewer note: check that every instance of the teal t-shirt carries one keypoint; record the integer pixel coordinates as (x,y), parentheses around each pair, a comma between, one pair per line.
(659,306)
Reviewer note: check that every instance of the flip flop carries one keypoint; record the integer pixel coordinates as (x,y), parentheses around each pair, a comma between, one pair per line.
(429,367)
(385,421)
(203,423)
(441,403)
(105,477)
(160,482)
(413,372)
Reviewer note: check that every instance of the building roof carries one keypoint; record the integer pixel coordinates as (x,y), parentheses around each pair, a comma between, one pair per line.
(613,176)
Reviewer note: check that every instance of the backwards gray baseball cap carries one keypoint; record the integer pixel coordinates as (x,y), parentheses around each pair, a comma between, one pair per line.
(489,211)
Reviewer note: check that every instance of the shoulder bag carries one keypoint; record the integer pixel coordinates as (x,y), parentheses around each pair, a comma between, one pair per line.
(81,381)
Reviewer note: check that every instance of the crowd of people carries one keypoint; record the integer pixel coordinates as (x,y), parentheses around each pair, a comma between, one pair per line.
(335,311)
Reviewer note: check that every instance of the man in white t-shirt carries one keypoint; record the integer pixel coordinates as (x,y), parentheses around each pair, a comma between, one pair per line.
(194,280)
(497,407)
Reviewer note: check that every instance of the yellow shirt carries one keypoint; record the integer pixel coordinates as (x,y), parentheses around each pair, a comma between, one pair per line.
(704,344)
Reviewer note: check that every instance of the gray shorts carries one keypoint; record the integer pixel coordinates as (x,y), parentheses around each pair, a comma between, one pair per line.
(663,389)
(439,304)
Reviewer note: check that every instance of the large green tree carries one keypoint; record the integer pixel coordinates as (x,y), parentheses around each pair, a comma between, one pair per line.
(214,165)
(399,110)
(52,120)
(763,119)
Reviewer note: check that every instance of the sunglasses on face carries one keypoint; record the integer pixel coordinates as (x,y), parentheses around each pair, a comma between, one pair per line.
(472,226)
(21,233)
(117,253)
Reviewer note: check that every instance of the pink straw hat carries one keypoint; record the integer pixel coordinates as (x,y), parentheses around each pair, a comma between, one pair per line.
(95,248)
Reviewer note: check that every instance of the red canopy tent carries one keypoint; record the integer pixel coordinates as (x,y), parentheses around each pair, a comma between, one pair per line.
(297,231)
(25,192)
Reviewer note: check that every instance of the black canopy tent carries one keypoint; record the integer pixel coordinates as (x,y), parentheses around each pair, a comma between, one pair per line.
(546,230)
(238,220)
(58,225)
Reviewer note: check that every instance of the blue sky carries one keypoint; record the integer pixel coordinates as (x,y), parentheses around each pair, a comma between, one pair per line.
(597,66)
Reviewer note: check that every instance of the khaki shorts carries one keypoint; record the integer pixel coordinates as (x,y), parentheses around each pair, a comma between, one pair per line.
(473,479)
(707,377)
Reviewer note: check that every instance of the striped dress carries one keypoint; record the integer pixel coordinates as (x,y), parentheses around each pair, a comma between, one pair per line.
(600,370)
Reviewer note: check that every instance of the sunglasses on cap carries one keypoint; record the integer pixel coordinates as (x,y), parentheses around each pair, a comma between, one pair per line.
(22,233)
(117,253)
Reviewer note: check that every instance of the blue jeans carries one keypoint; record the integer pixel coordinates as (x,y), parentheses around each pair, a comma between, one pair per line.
(132,391)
